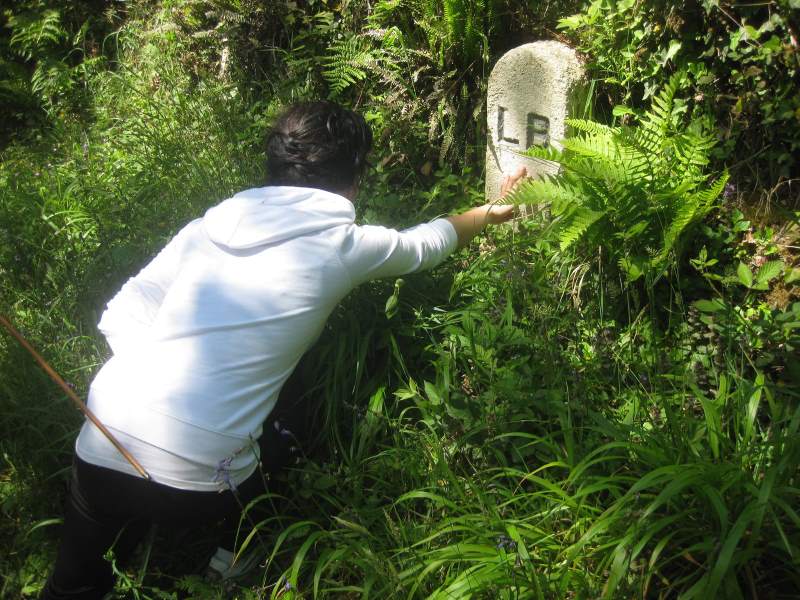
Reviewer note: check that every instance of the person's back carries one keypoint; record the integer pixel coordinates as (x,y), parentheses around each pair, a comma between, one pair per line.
(204,337)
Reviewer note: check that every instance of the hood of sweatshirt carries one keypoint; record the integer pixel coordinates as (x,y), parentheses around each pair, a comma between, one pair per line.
(266,215)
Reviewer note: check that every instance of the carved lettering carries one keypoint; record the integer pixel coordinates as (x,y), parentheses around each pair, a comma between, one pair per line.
(538,130)
(501,122)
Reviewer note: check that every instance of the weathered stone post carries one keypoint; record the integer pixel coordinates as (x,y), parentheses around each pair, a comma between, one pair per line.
(532,90)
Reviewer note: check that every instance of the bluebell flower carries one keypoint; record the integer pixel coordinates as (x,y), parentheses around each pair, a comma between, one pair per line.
(506,543)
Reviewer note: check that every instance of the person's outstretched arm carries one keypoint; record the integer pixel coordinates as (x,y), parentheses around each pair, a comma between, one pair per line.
(470,223)
(372,252)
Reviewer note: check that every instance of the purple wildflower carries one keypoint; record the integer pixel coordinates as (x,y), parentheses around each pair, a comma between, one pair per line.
(506,543)
(728,191)
(284,585)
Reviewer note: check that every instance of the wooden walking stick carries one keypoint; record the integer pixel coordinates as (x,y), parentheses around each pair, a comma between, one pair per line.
(74,397)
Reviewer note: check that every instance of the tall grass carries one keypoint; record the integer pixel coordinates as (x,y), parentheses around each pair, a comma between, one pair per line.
(525,425)
(83,207)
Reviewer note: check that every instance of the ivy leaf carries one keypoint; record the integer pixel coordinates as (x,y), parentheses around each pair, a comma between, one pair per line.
(745,275)
(751,32)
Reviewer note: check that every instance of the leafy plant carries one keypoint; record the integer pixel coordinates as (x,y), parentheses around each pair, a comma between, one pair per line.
(742,63)
(633,191)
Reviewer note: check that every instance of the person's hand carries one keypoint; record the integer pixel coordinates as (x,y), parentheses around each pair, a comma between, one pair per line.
(470,223)
(500,213)
(511,181)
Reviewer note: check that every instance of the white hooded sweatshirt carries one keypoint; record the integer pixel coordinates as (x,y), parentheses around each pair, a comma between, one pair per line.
(205,336)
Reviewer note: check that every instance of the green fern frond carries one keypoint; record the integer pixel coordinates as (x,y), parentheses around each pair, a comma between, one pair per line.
(692,151)
(447,141)
(347,63)
(692,207)
(634,190)
(540,191)
(550,153)
(592,127)
(709,195)
(32,32)
(383,13)
(575,226)
(662,114)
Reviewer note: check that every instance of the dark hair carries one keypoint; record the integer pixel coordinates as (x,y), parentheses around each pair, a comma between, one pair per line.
(318,144)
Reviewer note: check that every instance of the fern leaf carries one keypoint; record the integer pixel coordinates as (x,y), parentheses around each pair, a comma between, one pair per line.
(540,191)
(591,127)
(577,224)
(32,32)
(347,63)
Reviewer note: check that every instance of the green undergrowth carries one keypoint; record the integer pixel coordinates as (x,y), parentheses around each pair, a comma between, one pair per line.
(600,401)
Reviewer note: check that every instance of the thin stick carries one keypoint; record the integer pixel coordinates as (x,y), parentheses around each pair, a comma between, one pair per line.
(73,396)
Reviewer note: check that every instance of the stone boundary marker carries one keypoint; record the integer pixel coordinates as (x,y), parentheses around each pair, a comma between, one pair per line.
(532,90)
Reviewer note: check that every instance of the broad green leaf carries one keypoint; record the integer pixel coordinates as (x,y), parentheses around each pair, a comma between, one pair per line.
(715,305)
(752,408)
(711,412)
(432,393)
(621,110)
(633,267)
(745,275)
(769,271)
(350,525)
(674,46)
(324,481)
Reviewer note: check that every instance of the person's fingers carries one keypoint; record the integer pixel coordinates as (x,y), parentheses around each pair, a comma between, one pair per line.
(509,181)
(520,173)
(504,187)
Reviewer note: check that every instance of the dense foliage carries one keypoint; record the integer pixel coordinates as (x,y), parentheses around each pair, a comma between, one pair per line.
(741,58)
(601,401)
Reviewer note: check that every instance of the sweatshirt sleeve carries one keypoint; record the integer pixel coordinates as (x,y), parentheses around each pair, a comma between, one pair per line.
(373,252)
(129,315)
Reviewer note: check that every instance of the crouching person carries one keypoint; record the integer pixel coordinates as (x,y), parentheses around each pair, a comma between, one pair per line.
(204,337)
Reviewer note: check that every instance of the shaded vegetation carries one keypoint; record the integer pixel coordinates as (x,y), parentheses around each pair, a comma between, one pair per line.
(599,402)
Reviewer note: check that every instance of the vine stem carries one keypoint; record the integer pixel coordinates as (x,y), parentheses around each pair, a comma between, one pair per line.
(79,404)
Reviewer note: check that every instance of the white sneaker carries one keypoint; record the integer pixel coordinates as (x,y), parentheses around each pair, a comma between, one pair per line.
(222,567)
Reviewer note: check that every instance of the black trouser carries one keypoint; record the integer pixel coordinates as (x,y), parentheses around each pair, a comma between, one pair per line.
(107,508)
